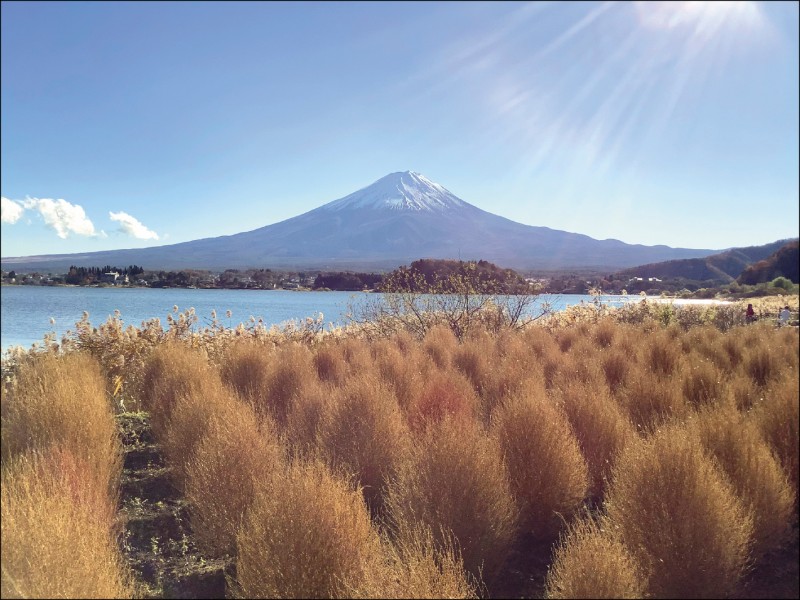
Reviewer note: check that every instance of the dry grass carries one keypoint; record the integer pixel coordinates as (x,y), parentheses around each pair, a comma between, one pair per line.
(510,374)
(761,365)
(246,369)
(356,353)
(548,473)
(440,344)
(568,336)
(663,354)
(777,417)
(229,461)
(602,429)
(756,475)
(443,395)
(702,382)
(680,517)
(404,372)
(189,422)
(732,344)
(539,341)
(472,359)
(307,535)
(57,537)
(172,370)
(465,448)
(305,419)
(744,391)
(60,402)
(292,371)
(586,364)
(652,401)
(416,567)
(365,434)
(455,482)
(590,561)
(330,364)
(604,333)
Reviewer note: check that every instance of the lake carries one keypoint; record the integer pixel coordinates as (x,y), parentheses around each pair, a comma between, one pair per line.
(27,310)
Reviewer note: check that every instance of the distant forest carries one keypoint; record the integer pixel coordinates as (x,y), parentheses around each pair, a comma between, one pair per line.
(784,263)
(347,282)
(431,276)
(454,276)
(87,275)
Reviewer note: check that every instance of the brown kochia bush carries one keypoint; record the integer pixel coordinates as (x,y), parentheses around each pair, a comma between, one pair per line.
(403,372)
(57,536)
(592,562)
(267,379)
(189,421)
(702,382)
(172,370)
(472,359)
(511,371)
(761,365)
(662,353)
(291,374)
(416,567)
(443,395)
(601,427)
(547,471)
(61,402)
(229,461)
(440,344)
(539,342)
(305,418)
(330,364)
(569,335)
(616,365)
(756,475)
(246,369)
(778,417)
(307,535)
(653,400)
(364,434)
(604,332)
(679,516)
(455,481)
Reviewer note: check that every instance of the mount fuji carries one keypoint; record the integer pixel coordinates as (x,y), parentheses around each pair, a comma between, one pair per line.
(400,218)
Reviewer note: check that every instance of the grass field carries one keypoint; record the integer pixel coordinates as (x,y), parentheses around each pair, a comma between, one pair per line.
(649,451)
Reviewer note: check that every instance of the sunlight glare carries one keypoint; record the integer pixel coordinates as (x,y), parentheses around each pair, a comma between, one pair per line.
(703,17)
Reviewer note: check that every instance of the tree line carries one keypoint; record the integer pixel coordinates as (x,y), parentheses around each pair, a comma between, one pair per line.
(78,275)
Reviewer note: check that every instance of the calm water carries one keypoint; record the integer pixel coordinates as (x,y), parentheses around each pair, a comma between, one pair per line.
(27,310)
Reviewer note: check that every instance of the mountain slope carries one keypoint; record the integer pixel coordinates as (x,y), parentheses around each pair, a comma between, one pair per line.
(783,263)
(724,266)
(399,218)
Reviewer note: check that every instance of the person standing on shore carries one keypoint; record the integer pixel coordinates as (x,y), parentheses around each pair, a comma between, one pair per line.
(783,317)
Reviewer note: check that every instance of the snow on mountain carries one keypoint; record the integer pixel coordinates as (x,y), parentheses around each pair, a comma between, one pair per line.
(404,190)
(399,218)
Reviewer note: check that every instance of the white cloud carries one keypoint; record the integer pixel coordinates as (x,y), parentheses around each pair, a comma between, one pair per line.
(63,217)
(133,227)
(11,210)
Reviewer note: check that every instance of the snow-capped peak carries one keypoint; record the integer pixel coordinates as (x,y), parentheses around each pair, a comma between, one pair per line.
(405,190)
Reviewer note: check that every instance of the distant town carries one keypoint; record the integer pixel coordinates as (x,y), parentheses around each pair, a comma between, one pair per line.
(264,279)
(577,282)
(135,276)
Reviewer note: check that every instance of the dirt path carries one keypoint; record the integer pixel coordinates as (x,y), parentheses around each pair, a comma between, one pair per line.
(157,540)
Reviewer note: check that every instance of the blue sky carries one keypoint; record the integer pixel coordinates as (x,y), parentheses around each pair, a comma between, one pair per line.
(136,124)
